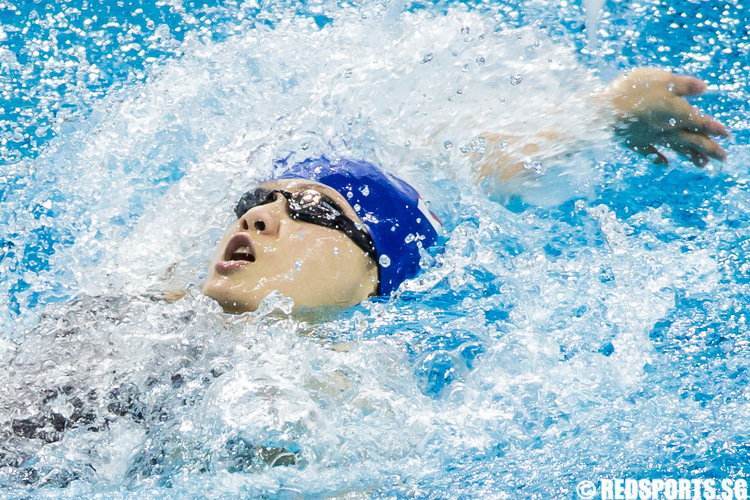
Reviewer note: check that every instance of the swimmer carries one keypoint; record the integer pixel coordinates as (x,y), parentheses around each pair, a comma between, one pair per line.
(330,234)
(326,234)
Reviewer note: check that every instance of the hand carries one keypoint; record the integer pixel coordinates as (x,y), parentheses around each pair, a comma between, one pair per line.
(653,111)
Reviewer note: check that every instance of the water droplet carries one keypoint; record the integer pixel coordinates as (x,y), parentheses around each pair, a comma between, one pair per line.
(305,146)
(448,145)
(384,261)
(480,60)
(427,58)
(536,166)
(478,144)
(407,144)
(465,30)
(464,149)
(298,265)
(348,73)
(503,145)
(516,79)
(670,87)
(335,250)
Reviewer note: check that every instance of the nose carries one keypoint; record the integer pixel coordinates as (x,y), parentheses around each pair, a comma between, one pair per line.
(265,219)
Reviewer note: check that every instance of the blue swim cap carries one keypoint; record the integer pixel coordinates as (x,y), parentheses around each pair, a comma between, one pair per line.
(392,211)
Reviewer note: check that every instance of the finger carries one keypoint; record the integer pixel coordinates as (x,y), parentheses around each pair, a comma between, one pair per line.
(660,158)
(686,86)
(702,144)
(648,151)
(693,156)
(704,124)
(709,125)
(698,158)
(688,117)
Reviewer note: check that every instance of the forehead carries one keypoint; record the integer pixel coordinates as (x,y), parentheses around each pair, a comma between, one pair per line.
(296,185)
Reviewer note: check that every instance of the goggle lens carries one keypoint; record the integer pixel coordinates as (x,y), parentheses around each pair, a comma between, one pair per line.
(313,207)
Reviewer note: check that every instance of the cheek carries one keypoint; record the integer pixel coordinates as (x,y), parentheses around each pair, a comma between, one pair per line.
(325,253)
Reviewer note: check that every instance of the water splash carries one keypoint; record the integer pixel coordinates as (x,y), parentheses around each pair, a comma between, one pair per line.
(593,10)
(620,307)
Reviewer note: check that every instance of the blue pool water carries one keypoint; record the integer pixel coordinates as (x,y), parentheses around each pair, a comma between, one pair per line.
(595,327)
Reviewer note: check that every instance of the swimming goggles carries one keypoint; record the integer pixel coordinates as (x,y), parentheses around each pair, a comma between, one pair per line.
(313,207)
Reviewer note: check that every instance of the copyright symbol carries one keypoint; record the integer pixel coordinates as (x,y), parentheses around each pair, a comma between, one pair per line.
(586,489)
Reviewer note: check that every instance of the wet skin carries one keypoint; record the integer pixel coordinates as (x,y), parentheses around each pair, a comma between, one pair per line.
(267,250)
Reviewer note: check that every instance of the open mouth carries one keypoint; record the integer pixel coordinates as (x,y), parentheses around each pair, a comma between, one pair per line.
(239,248)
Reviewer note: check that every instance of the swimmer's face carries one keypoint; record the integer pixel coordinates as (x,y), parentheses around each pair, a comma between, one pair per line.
(267,250)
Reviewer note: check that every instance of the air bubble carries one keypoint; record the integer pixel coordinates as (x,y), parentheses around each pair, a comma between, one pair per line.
(516,79)
(384,260)
(427,58)
(480,60)
(672,122)
(448,145)
(365,190)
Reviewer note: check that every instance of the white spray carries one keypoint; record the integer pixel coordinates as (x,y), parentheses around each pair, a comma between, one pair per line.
(593,8)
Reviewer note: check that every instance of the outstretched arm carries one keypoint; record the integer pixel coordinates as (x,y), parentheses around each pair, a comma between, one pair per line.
(650,112)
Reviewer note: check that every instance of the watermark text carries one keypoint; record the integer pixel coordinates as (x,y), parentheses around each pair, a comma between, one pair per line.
(664,489)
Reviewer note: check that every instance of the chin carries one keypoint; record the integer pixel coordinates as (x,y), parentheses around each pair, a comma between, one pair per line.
(227,300)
